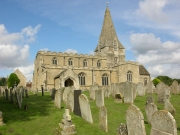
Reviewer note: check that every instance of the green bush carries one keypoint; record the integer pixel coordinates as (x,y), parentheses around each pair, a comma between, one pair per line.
(156,81)
(13,78)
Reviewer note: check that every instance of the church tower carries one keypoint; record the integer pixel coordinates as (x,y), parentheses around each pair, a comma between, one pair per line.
(109,45)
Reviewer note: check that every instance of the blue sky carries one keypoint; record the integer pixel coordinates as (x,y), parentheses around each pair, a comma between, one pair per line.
(148,29)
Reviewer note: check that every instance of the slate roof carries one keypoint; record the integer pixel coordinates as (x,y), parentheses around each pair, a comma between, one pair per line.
(143,71)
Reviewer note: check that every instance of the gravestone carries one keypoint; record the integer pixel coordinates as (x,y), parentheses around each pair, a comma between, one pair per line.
(17,99)
(99,98)
(53,93)
(66,92)
(6,94)
(150,108)
(12,95)
(163,123)
(57,99)
(134,91)
(167,91)
(121,88)
(92,91)
(175,87)
(128,92)
(169,107)
(67,127)
(23,93)
(77,110)
(122,129)
(106,93)
(135,121)
(119,98)
(140,89)
(103,119)
(85,108)
(26,93)
(70,101)
(149,89)
(1,119)
(149,100)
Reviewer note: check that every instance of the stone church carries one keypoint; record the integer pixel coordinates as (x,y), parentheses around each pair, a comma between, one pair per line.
(106,66)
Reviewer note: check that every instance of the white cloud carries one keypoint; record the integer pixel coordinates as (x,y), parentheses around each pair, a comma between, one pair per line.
(14,49)
(153,10)
(70,51)
(161,58)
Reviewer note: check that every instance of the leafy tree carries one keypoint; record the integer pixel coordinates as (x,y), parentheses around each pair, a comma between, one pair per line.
(156,81)
(165,79)
(12,79)
(3,81)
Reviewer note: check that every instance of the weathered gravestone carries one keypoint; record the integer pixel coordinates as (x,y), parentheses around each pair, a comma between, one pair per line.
(135,121)
(149,89)
(77,110)
(128,92)
(17,98)
(150,108)
(103,118)
(167,91)
(99,98)
(134,91)
(66,124)
(175,87)
(92,91)
(122,129)
(1,119)
(140,89)
(70,101)
(160,92)
(6,94)
(66,92)
(57,99)
(114,89)
(168,106)
(53,93)
(106,93)
(119,98)
(163,123)
(85,108)
(149,100)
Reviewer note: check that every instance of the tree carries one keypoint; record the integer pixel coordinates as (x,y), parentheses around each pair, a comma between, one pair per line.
(166,80)
(156,81)
(3,81)
(13,78)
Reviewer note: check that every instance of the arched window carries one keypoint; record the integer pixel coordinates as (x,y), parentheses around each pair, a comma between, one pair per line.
(82,79)
(98,63)
(70,62)
(129,76)
(54,61)
(84,63)
(104,79)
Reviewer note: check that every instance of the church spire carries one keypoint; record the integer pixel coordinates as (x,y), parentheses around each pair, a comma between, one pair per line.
(108,33)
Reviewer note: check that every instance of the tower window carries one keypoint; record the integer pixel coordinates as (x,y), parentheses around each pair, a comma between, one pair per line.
(98,64)
(70,62)
(129,76)
(104,79)
(85,63)
(81,78)
(54,61)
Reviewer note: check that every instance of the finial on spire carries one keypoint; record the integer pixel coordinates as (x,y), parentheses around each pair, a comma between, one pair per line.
(107,3)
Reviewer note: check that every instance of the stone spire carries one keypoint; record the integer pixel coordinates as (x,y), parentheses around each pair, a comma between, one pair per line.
(108,33)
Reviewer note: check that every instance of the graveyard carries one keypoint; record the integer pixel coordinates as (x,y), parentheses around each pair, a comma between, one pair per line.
(41,117)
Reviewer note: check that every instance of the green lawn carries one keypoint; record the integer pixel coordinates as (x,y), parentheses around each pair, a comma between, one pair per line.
(42,118)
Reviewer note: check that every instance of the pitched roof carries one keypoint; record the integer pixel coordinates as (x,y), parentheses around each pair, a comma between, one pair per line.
(108,33)
(143,71)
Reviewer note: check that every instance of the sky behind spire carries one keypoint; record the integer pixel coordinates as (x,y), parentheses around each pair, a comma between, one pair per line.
(148,29)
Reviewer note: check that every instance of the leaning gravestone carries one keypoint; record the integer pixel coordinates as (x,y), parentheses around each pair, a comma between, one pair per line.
(77,110)
(70,101)
(92,91)
(99,98)
(150,108)
(175,87)
(103,119)
(57,99)
(85,108)
(168,106)
(163,123)
(140,89)
(128,92)
(135,121)
(149,89)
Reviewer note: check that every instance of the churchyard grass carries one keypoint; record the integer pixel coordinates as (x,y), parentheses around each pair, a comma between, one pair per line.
(42,117)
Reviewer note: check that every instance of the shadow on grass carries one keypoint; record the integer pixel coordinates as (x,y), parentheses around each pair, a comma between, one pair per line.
(37,106)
